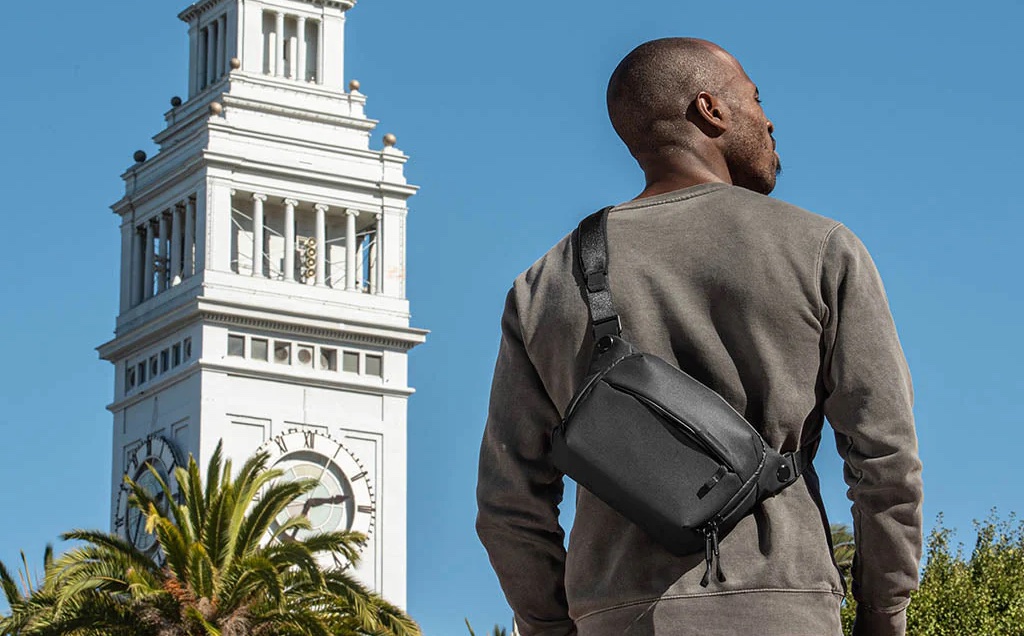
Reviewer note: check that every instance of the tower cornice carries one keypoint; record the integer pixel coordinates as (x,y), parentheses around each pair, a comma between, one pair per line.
(198,8)
(210,310)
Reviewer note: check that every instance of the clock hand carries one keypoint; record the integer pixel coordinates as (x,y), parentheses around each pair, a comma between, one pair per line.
(306,505)
(312,502)
(135,532)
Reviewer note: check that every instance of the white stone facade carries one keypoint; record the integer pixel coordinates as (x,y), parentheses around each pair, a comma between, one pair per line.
(263,264)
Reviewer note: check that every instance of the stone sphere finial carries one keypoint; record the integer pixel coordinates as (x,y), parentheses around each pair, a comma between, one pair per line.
(354,85)
(175,101)
(216,108)
(390,140)
(139,156)
(235,63)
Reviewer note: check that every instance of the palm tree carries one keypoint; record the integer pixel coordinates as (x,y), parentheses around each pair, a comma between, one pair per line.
(224,567)
(843,550)
(31,599)
(498,631)
(34,607)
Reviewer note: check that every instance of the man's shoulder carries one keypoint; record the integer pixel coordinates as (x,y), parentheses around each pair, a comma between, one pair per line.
(782,210)
(552,269)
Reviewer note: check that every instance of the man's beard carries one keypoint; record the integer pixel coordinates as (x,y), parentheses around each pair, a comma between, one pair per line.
(750,167)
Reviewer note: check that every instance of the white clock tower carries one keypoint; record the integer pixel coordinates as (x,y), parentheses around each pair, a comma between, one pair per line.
(263,278)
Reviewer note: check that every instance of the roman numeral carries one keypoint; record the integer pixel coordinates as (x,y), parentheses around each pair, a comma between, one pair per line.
(359,476)
(366,509)
(310,438)
(279,440)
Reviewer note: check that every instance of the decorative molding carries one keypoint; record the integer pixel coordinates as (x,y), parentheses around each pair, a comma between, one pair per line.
(347,335)
(309,176)
(269,372)
(294,112)
(167,380)
(192,309)
(204,6)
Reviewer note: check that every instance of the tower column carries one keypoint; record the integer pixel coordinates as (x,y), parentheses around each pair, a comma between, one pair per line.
(279,44)
(176,240)
(193,58)
(138,254)
(211,53)
(289,239)
(320,51)
(350,249)
(202,48)
(222,45)
(360,254)
(147,269)
(321,241)
(257,234)
(163,233)
(300,52)
(190,237)
(377,257)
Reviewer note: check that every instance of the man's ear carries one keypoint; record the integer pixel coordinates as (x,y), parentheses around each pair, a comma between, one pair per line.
(712,113)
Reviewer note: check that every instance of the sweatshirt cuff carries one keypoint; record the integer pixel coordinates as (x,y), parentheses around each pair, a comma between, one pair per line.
(872,623)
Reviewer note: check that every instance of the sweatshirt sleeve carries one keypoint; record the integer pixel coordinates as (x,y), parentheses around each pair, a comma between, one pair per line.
(869,404)
(518,490)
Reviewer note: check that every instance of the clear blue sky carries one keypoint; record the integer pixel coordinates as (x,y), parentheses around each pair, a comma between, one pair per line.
(901,119)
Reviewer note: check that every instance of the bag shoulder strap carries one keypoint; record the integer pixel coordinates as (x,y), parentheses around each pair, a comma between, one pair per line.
(592,251)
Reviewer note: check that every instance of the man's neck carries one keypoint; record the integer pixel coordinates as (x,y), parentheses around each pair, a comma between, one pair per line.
(675,171)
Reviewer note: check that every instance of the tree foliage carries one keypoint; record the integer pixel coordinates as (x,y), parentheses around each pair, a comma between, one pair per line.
(226,569)
(498,631)
(982,593)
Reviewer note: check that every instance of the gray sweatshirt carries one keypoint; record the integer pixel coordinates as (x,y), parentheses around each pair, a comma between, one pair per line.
(783,313)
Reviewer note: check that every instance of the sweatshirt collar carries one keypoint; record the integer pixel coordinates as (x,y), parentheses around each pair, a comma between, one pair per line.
(669,197)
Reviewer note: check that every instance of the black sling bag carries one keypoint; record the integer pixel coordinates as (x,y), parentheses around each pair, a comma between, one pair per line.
(662,449)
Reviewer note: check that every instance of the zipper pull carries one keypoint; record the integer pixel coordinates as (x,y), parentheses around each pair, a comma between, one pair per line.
(709,553)
(718,557)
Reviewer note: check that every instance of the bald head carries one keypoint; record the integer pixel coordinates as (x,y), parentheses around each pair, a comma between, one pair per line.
(654,85)
(688,97)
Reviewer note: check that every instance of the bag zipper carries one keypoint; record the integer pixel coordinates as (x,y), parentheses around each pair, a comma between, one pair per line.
(692,433)
(711,554)
(710,529)
(586,388)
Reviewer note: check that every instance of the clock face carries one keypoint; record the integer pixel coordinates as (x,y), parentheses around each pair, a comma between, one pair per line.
(160,453)
(343,498)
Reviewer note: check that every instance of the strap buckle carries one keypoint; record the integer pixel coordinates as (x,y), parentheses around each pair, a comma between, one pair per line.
(608,327)
(597,281)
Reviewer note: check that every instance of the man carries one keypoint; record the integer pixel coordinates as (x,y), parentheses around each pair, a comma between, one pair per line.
(780,311)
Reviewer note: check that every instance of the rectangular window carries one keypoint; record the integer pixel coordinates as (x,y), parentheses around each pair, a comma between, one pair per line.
(236,346)
(187,345)
(259,348)
(176,355)
(154,367)
(350,362)
(282,352)
(129,378)
(165,360)
(141,368)
(304,356)
(328,359)
(375,365)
